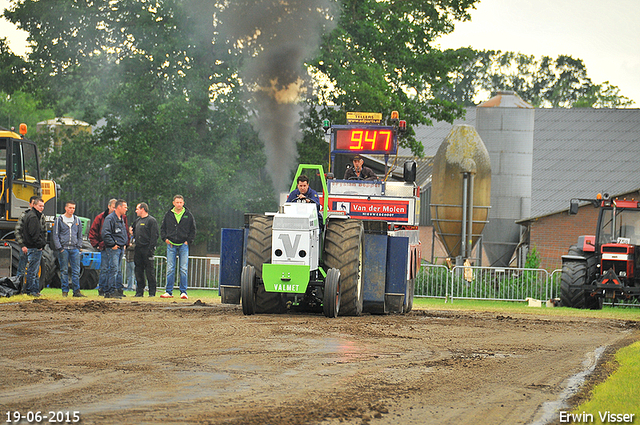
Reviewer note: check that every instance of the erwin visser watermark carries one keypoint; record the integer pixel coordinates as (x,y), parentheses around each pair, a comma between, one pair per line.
(606,417)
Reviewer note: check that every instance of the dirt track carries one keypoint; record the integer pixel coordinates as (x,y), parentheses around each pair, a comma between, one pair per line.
(184,362)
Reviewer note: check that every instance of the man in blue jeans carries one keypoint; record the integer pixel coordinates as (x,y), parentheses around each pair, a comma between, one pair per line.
(67,240)
(22,262)
(116,237)
(95,237)
(35,239)
(178,230)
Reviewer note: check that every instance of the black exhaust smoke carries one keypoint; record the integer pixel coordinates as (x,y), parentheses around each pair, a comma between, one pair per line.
(277,36)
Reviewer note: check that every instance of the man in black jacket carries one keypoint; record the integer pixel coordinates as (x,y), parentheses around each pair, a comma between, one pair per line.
(34,236)
(178,230)
(359,171)
(145,234)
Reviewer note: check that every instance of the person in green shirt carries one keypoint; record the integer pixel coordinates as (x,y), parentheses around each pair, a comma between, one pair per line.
(178,231)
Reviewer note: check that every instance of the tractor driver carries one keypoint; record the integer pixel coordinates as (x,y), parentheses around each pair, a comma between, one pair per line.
(358,171)
(303,193)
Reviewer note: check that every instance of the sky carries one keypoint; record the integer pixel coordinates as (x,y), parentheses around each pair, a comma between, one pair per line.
(603,34)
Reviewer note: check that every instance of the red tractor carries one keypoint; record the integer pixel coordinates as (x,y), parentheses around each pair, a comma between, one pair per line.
(607,265)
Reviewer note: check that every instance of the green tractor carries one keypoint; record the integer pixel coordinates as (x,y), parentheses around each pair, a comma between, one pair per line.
(289,265)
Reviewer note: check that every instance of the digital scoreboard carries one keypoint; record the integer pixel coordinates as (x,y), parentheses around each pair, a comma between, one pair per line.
(364,139)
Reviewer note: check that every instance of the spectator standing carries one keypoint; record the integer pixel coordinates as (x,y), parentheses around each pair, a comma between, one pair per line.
(22,262)
(178,231)
(95,238)
(67,240)
(115,237)
(145,234)
(34,235)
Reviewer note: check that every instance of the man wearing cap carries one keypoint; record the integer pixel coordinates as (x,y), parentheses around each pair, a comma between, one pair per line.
(359,171)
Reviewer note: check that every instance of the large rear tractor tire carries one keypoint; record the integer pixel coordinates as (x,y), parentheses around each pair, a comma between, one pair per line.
(16,251)
(89,278)
(575,274)
(48,269)
(259,253)
(343,250)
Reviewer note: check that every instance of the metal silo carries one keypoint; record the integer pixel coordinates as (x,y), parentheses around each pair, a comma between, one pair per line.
(505,124)
(460,190)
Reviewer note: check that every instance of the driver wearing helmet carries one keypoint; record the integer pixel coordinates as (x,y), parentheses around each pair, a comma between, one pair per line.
(358,171)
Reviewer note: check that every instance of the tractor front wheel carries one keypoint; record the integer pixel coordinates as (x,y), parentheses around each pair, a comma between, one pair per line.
(331,298)
(248,290)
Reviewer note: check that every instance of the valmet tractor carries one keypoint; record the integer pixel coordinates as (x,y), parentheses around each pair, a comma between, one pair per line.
(365,260)
(604,266)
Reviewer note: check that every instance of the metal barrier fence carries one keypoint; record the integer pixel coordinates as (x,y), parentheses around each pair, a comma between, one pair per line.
(487,283)
(203,272)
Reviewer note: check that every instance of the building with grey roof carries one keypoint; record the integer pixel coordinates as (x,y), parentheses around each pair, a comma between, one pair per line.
(576,154)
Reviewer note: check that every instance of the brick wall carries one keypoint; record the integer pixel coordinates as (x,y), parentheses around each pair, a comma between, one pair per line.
(553,235)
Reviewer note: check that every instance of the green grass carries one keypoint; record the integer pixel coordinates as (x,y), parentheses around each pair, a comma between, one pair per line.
(205,295)
(616,313)
(620,393)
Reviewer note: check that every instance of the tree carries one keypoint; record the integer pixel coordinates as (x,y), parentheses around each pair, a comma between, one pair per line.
(562,82)
(20,107)
(167,91)
(380,58)
(13,69)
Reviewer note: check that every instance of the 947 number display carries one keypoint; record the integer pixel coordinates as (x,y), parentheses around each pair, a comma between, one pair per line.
(39,417)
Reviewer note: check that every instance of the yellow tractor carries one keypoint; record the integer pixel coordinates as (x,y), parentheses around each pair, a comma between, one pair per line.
(20,173)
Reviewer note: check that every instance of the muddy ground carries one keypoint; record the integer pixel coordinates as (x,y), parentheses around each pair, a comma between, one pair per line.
(175,362)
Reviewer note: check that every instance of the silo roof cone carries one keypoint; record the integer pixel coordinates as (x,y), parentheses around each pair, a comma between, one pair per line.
(506,99)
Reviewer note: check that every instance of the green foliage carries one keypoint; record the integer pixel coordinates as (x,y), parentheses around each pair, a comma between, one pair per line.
(380,58)
(432,282)
(78,163)
(437,281)
(167,93)
(21,107)
(562,82)
(313,149)
(13,69)
(533,259)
